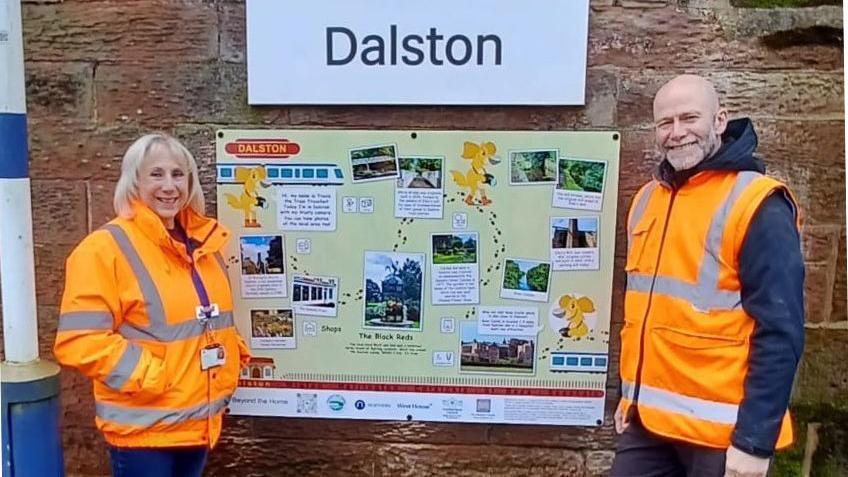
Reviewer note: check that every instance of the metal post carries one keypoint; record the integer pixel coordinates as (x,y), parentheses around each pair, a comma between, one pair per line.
(32,444)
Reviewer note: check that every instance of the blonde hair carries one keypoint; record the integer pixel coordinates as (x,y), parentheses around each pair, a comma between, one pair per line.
(126,192)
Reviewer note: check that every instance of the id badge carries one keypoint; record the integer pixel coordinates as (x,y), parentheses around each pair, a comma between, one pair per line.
(204,313)
(212,356)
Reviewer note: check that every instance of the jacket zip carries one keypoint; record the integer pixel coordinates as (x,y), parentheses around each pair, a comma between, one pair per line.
(638,384)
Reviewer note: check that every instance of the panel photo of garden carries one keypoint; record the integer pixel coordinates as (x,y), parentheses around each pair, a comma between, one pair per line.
(454,248)
(581,175)
(393,290)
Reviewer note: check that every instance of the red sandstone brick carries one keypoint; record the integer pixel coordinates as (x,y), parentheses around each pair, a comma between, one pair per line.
(72,149)
(161,95)
(377,431)
(565,437)
(818,291)
(820,242)
(50,272)
(107,31)
(63,89)
(59,210)
(273,457)
(100,206)
(800,95)
(399,460)
(233,43)
(672,38)
(840,288)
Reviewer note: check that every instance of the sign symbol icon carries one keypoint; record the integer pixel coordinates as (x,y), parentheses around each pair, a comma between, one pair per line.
(460,220)
(349,205)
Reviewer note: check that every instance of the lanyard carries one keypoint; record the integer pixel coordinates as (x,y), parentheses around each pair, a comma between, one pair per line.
(195,276)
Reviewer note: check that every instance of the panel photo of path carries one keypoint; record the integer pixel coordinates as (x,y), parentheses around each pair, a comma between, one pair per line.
(420,172)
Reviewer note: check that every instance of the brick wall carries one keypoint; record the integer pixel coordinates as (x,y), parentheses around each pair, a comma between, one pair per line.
(100,73)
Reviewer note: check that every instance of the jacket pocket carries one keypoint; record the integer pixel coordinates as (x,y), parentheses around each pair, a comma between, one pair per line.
(225,378)
(638,241)
(158,375)
(703,365)
(696,340)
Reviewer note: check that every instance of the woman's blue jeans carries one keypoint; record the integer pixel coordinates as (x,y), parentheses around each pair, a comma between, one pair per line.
(158,462)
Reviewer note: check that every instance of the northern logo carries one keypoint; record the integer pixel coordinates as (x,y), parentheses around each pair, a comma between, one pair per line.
(359,404)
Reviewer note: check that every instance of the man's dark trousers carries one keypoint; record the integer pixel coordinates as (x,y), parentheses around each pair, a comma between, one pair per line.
(642,454)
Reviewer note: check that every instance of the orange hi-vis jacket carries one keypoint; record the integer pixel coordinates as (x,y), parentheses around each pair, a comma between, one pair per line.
(686,337)
(129,322)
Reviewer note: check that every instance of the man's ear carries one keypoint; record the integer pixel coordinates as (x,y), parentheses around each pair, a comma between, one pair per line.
(720,121)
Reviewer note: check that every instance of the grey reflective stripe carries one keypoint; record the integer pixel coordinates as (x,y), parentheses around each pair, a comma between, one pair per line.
(223,265)
(85,320)
(125,367)
(145,417)
(701,297)
(704,295)
(708,275)
(639,207)
(719,412)
(639,211)
(152,300)
(159,330)
(187,329)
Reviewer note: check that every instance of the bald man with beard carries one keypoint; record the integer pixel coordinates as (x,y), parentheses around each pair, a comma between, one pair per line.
(714,306)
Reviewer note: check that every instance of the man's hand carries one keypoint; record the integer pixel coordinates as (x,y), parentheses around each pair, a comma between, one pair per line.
(741,464)
(620,420)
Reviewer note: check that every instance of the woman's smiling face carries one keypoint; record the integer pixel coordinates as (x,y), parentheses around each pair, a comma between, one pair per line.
(163,183)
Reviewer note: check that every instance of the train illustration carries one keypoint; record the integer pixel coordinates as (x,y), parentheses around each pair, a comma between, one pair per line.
(287,174)
(563,361)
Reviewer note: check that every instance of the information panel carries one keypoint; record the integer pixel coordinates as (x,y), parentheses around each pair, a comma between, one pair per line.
(421,275)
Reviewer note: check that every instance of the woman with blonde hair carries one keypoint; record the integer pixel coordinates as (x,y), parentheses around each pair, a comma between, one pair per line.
(147,315)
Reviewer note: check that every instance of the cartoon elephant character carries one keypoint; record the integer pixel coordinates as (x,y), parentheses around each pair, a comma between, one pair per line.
(573,311)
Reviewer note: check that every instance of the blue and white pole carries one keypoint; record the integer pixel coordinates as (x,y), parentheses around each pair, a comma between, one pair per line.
(32,443)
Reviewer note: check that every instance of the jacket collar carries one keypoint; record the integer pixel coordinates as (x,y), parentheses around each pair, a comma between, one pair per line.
(207,232)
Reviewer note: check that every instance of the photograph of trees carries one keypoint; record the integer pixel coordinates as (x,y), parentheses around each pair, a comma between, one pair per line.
(454,248)
(533,166)
(526,275)
(393,289)
(582,176)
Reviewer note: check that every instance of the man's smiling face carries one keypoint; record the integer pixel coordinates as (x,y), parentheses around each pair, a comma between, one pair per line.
(688,122)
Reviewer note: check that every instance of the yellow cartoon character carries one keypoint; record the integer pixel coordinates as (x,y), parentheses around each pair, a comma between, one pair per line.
(476,178)
(573,310)
(252,178)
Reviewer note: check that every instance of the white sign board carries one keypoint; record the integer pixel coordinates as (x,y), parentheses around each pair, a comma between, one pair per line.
(475,52)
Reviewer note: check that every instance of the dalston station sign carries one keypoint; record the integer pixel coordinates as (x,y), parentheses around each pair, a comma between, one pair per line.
(475,52)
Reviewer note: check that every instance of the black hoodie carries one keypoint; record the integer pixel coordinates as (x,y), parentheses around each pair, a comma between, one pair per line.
(771,271)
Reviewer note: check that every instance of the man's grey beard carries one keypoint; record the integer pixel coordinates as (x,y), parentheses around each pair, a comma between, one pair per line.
(710,146)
